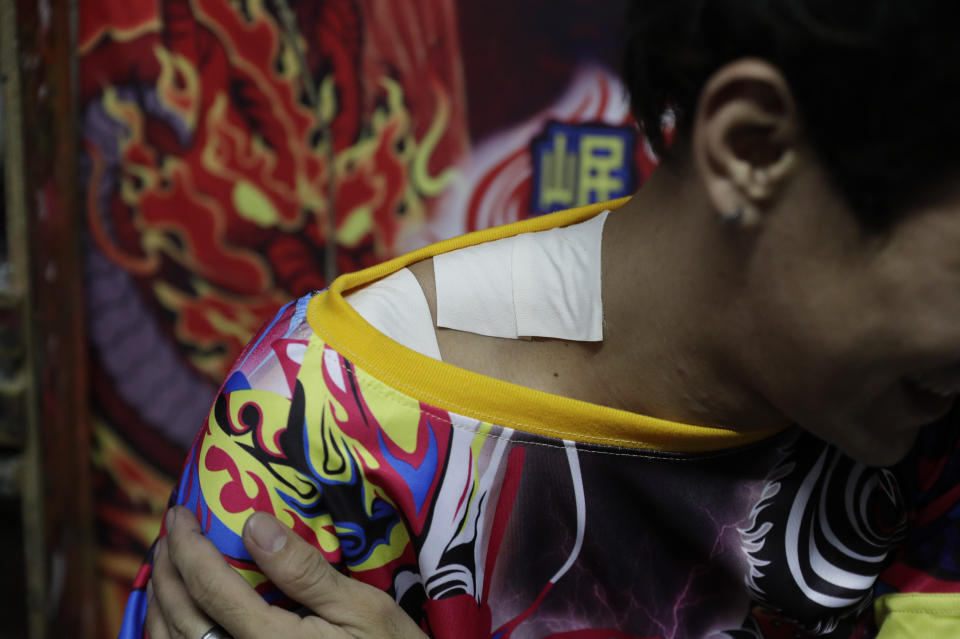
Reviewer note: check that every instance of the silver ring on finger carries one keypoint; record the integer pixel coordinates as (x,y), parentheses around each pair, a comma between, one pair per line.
(216,632)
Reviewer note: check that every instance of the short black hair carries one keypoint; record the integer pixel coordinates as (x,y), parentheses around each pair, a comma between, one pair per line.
(877,82)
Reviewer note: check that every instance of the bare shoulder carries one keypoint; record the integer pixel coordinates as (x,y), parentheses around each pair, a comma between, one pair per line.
(545,364)
(474,352)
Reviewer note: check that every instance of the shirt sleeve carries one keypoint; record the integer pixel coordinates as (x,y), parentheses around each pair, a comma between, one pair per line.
(918,595)
(917,615)
(247,457)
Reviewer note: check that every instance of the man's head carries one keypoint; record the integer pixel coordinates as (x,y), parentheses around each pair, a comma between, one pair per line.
(826,132)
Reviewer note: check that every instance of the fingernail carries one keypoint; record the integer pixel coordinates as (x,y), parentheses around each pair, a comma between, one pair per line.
(267,532)
(171,517)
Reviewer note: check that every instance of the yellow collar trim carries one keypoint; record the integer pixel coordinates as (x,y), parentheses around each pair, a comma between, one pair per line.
(491,400)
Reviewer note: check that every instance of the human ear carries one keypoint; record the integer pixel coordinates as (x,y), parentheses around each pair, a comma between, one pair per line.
(744,139)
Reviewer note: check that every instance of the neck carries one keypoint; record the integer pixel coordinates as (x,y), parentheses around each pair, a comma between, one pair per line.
(675,324)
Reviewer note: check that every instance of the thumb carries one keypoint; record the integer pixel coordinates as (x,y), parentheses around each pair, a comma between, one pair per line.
(300,571)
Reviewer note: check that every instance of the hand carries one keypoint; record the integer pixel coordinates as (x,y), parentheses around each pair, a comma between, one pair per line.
(192,588)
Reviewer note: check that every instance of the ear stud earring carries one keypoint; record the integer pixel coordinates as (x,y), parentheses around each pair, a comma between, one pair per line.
(744,216)
(730,218)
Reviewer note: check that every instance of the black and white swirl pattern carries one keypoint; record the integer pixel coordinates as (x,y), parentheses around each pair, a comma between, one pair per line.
(820,534)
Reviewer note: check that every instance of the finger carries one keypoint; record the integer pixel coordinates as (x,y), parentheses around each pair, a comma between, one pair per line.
(305,576)
(217,588)
(174,609)
(156,627)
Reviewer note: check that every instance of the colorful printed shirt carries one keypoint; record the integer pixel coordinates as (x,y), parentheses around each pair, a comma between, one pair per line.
(491,510)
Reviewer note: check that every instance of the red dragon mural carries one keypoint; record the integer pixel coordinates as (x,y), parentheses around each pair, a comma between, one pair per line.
(217,138)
